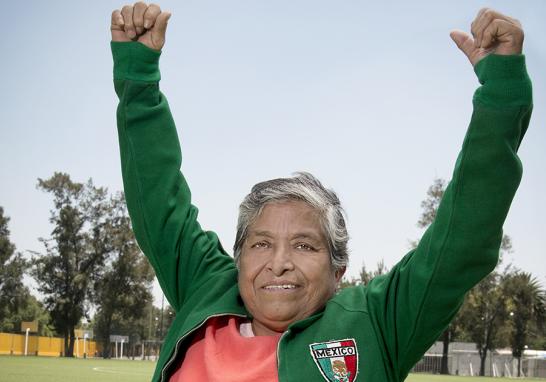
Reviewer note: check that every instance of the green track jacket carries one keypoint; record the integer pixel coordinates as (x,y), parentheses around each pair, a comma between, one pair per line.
(379,331)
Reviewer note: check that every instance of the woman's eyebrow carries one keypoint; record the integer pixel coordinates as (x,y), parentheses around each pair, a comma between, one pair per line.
(261,233)
(306,235)
(298,235)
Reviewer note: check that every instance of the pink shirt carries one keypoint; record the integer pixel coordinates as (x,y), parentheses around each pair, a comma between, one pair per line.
(220,353)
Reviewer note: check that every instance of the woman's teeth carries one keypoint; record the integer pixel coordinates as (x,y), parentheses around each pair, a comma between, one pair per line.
(276,287)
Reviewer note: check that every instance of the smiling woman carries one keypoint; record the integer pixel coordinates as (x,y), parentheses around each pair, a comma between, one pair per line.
(272,313)
(285,271)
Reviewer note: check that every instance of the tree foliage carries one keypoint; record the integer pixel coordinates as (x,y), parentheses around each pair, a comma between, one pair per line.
(12,291)
(16,302)
(488,316)
(525,303)
(123,287)
(74,253)
(91,263)
(482,316)
(431,203)
(365,276)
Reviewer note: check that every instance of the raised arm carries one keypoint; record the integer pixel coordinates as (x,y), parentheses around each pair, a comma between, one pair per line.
(158,197)
(414,303)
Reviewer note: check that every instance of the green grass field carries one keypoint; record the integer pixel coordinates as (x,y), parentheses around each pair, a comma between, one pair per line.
(44,369)
(438,378)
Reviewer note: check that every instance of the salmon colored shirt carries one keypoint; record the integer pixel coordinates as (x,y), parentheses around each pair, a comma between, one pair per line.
(225,351)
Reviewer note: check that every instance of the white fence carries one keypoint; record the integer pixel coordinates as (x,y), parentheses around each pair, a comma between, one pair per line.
(463,359)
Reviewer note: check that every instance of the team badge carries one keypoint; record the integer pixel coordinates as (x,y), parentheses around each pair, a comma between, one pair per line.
(337,360)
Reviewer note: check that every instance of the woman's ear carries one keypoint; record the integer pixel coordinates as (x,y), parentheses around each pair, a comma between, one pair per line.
(339,273)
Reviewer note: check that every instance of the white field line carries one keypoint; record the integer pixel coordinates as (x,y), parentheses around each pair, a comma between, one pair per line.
(106,370)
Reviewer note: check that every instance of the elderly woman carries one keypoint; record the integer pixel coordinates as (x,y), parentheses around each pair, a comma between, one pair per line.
(272,313)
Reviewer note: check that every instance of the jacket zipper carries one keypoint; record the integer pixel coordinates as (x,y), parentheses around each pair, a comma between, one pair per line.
(177,346)
(278,352)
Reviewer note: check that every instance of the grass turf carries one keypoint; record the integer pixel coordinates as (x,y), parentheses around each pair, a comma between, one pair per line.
(45,369)
(444,378)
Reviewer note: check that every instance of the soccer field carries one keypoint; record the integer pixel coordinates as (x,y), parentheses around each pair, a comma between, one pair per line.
(438,378)
(44,369)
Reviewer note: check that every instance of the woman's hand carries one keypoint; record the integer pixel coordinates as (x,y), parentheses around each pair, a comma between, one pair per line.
(492,32)
(140,22)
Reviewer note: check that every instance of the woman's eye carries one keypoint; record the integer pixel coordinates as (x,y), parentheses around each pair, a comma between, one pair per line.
(260,244)
(305,247)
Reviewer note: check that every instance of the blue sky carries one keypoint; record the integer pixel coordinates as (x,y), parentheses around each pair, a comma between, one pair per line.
(371,97)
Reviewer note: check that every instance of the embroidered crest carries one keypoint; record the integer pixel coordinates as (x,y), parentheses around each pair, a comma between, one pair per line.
(337,360)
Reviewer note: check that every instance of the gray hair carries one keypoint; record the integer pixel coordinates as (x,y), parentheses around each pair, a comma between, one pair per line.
(304,187)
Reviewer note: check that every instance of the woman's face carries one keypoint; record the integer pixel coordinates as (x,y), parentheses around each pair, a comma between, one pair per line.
(285,273)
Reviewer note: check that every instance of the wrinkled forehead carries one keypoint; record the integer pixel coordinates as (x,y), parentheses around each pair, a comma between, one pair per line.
(294,217)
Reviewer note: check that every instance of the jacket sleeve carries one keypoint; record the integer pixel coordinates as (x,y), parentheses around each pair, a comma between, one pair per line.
(158,197)
(413,304)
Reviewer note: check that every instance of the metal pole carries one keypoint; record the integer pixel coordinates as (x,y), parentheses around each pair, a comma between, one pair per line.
(151,313)
(161,321)
(150,327)
(26,340)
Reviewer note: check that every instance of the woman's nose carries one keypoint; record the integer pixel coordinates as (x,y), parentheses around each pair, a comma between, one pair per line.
(281,260)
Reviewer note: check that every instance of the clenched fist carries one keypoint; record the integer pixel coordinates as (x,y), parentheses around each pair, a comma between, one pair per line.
(492,32)
(140,22)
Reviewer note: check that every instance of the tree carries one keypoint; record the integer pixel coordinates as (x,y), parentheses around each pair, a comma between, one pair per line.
(161,321)
(76,249)
(12,265)
(169,316)
(525,303)
(537,336)
(30,310)
(429,207)
(16,302)
(123,289)
(484,313)
(365,276)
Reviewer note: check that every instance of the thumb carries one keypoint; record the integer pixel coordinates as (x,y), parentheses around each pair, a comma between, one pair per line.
(159,30)
(465,42)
